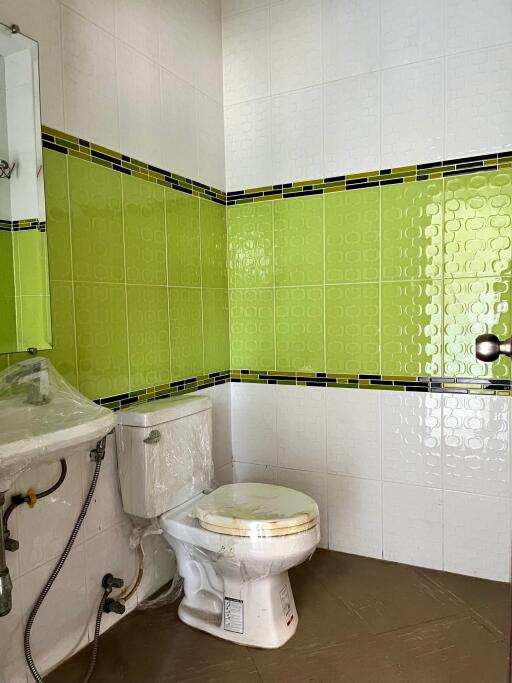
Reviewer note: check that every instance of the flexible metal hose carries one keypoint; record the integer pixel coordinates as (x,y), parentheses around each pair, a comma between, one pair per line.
(26,639)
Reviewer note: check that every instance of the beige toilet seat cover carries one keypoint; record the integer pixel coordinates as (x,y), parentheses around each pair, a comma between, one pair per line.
(256,510)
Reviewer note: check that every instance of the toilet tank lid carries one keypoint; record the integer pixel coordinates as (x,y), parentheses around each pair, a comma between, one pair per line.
(162,410)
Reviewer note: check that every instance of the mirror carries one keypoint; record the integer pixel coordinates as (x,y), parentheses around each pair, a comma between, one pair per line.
(24,290)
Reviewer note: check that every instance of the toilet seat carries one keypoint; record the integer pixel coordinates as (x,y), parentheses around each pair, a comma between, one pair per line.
(256,510)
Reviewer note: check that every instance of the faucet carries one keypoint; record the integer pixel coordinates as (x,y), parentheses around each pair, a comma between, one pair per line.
(33,372)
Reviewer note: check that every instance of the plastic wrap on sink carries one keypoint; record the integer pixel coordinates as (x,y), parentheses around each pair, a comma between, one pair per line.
(41,413)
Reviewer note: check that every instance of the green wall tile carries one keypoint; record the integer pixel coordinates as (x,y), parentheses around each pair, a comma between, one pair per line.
(6,264)
(352,328)
(183,240)
(96,222)
(473,306)
(148,335)
(298,241)
(63,352)
(250,245)
(186,332)
(352,236)
(213,244)
(35,322)
(57,214)
(32,263)
(411,319)
(252,328)
(300,328)
(412,227)
(102,344)
(478,229)
(216,329)
(144,232)
(8,336)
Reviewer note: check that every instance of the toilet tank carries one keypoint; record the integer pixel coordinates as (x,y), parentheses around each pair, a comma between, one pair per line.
(164,451)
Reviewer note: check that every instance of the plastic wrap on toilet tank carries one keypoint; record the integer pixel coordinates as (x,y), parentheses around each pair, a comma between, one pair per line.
(164,454)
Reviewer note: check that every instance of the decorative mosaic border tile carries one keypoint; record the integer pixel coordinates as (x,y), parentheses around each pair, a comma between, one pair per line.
(387,176)
(88,151)
(24,224)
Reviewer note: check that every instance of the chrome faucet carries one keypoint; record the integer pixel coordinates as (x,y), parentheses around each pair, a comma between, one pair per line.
(33,372)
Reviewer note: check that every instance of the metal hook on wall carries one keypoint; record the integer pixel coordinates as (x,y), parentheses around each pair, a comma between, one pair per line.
(5,169)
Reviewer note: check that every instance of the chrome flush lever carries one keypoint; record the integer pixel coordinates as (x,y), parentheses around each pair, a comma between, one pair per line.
(489,348)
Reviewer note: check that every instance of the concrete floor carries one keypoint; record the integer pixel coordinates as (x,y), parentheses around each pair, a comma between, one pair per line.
(360,621)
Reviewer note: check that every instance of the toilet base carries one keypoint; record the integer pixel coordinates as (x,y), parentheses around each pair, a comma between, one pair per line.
(256,613)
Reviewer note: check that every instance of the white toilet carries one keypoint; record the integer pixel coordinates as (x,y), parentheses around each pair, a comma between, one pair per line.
(234,544)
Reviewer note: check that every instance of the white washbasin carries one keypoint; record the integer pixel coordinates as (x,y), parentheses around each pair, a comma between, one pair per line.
(31,435)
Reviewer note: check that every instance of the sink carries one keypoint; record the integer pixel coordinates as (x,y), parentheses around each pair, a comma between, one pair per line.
(64,423)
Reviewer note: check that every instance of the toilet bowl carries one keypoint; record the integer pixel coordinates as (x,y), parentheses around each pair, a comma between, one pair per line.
(234,544)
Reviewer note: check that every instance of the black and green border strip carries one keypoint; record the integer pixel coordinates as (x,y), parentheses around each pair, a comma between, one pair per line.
(22,225)
(88,151)
(387,176)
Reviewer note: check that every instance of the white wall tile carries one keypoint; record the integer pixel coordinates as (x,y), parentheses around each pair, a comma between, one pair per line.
(235,6)
(100,12)
(179,131)
(411,31)
(477,535)
(413,525)
(15,672)
(351,37)
(474,24)
(208,50)
(137,24)
(176,38)
(352,125)
(479,102)
(253,419)
(297,136)
(220,397)
(140,123)
(295,45)
(412,113)
(159,564)
(476,444)
(89,64)
(301,428)
(248,144)
(411,438)
(313,484)
(246,50)
(353,432)
(355,515)
(224,475)
(210,141)
(261,474)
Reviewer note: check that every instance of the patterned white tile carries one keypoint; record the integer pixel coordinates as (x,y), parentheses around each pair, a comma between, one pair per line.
(100,12)
(208,50)
(351,37)
(301,428)
(352,125)
(355,515)
(485,23)
(235,6)
(412,113)
(413,525)
(479,102)
(210,141)
(261,474)
(411,31)
(297,136)
(476,444)
(313,484)
(137,25)
(177,38)
(248,144)
(411,438)
(253,419)
(295,45)
(477,535)
(246,55)
(353,432)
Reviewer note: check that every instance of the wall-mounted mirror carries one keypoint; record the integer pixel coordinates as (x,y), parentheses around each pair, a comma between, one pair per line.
(24,291)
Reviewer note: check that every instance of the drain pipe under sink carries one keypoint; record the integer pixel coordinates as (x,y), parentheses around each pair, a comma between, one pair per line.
(5,579)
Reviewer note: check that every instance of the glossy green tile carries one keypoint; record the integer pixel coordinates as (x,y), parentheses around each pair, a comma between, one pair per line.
(183,239)
(412,227)
(216,329)
(96,222)
(32,263)
(63,352)
(252,328)
(473,306)
(352,328)
(148,335)
(8,329)
(186,332)
(300,328)
(4,361)
(35,330)
(102,344)
(298,241)
(6,264)
(144,232)
(213,244)
(411,334)
(250,245)
(352,236)
(57,214)
(478,224)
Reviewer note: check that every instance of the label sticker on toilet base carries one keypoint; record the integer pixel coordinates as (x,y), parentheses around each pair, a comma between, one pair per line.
(286,605)
(233,615)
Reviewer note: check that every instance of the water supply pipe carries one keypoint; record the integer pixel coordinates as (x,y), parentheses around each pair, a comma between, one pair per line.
(5,578)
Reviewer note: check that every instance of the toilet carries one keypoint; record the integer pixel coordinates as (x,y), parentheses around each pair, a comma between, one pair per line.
(234,544)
